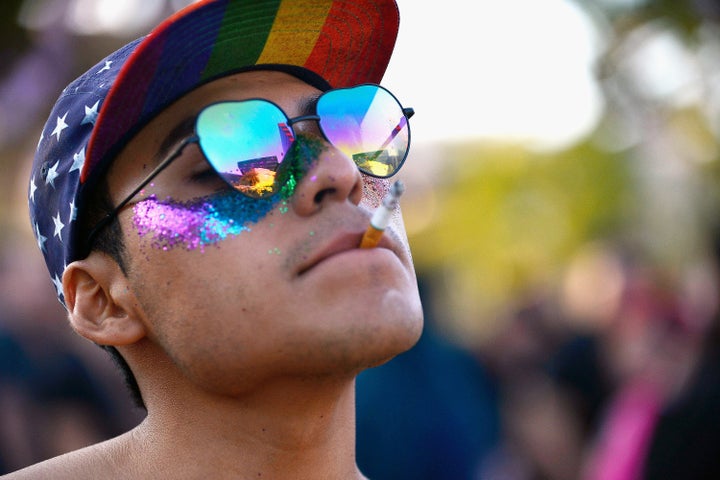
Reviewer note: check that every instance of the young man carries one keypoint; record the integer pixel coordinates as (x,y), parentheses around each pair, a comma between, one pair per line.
(200,197)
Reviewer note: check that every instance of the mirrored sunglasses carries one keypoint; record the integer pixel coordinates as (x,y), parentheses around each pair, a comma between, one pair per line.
(247,141)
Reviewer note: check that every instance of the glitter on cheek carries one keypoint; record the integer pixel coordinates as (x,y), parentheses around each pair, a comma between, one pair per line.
(374,189)
(200,222)
(284,207)
(208,220)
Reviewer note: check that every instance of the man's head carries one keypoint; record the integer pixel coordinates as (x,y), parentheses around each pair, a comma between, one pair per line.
(340,42)
(230,288)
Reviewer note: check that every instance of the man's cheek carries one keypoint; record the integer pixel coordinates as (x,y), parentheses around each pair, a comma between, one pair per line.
(196,223)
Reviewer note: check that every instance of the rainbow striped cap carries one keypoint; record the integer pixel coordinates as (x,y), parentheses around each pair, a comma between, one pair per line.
(324,42)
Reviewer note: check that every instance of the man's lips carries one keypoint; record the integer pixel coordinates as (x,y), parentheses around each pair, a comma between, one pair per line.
(339,244)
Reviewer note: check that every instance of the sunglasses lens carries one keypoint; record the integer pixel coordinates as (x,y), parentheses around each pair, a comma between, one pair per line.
(245,142)
(366,123)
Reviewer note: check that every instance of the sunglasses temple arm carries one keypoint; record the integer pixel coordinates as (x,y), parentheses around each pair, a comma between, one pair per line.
(162,166)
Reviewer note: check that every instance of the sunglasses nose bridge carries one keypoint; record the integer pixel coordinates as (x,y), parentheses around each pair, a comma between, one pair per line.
(306,124)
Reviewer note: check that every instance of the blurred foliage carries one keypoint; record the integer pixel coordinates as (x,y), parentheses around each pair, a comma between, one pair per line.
(13,38)
(685,16)
(511,218)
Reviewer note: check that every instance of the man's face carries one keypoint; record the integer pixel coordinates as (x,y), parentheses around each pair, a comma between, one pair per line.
(239,291)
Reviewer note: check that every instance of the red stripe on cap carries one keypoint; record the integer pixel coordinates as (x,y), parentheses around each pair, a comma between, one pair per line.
(368,23)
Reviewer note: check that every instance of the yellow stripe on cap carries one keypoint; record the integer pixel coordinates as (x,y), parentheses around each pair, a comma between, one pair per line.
(292,46)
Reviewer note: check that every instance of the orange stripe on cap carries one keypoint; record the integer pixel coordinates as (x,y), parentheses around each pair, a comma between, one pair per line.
(293,46)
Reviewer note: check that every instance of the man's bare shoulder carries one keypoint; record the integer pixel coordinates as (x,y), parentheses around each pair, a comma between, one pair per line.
(110,459)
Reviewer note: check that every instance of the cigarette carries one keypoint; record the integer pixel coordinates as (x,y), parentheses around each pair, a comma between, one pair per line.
(381,218)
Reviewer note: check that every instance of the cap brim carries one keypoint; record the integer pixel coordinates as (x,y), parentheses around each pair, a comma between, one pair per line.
(347,42)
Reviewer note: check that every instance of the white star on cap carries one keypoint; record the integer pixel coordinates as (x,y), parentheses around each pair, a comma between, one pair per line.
(33,187)
(91,114)
(106,67)
(58,284)
(78,160)
(60,126)
(40,238)
(52,175)
(58,226)
(73,211)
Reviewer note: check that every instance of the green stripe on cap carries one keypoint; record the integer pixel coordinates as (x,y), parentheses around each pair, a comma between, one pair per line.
(254,18)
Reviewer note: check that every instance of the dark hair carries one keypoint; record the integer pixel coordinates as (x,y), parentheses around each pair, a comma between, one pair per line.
(109,240)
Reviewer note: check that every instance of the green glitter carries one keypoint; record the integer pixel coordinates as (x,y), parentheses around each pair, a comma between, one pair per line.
(289,187)
(303,153)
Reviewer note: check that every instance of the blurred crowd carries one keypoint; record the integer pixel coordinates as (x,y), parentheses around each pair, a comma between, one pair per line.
(58,392)
(615,375)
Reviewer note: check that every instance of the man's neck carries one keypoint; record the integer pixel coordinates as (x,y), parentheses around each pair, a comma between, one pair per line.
(291,429)
(306,432)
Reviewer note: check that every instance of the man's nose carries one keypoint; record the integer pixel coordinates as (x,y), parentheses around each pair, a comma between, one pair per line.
(330,177)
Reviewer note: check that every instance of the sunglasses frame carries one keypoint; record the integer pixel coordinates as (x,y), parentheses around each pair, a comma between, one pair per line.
(407,112)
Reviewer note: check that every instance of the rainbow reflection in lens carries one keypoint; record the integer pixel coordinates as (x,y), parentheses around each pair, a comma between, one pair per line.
(366,123)
(245,143)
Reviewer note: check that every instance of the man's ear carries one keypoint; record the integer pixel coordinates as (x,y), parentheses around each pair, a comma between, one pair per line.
(101,306)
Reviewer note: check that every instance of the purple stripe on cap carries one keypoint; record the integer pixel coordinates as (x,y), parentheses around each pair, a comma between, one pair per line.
(182,77)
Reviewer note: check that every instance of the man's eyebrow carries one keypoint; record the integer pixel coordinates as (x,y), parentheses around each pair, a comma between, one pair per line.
(306,106)
(180,132)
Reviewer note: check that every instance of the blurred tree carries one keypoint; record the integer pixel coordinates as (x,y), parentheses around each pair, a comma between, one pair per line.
(685,16)
(510,219)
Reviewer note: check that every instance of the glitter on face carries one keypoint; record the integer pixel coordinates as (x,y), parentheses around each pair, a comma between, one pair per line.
(374,189)
(199,222)
(303,153)
(208,220)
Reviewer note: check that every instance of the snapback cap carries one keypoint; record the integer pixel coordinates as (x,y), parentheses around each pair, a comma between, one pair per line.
(326,43)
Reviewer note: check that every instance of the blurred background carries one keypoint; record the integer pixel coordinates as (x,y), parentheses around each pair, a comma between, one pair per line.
(562,203)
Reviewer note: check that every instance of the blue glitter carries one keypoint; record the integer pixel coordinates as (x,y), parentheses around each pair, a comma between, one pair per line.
(200,222)
(210,219)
